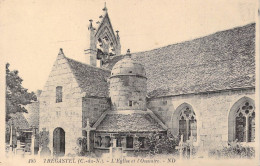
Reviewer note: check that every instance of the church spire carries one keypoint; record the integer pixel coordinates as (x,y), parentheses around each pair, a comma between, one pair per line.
(103,38)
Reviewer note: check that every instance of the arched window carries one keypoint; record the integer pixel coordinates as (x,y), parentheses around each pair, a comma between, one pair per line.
(245,123)
(187,123)
(242,121)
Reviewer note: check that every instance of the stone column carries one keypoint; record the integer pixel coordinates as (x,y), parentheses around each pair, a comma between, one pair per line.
(187,128)
(247,127)
(103,141)
(135,140)
(123,142)
(33,144)
(112,141)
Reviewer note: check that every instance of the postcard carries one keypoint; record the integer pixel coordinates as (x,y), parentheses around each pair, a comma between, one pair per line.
(130,82)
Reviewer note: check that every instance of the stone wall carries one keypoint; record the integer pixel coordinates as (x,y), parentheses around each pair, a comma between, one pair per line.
(124,89)
(93,108)
(211,109)
(66,114)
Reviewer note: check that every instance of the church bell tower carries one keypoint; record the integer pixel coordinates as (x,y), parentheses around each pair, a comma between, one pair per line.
(104,43)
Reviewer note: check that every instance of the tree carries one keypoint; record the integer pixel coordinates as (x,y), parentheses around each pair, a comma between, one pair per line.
(16,95)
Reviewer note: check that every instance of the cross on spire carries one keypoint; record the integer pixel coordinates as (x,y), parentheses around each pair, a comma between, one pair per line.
(105,8)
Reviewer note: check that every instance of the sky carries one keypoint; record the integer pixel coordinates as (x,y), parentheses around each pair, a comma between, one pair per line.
(33,31)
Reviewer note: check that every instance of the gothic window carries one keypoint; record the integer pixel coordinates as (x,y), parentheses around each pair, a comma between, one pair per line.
(245,123)
(129,142)
(187,123)
(58,94)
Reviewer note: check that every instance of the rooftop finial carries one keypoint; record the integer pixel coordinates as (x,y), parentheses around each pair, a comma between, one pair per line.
(90,24)
(117,35)
(105,8)
(61,52)
(128,54)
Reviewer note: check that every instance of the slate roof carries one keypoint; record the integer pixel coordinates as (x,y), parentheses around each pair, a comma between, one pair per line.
(223,60)
(33,114)
(134,122)
(91,80)
(19,121)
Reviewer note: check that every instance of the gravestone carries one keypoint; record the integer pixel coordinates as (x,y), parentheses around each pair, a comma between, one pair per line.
(19,149)
(116,152)
(181,147)
(44,141)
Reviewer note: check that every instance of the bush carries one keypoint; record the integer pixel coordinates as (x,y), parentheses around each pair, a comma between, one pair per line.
(159,143)
(233,150)
(81,149)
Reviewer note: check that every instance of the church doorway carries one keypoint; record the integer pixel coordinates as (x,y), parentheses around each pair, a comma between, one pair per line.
(59,142)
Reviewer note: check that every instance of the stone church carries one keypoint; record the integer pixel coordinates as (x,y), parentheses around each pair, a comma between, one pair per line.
(204,87)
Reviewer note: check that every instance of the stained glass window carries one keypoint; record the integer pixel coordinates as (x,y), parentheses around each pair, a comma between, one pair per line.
(245,123)
(240,128)
(187,124)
